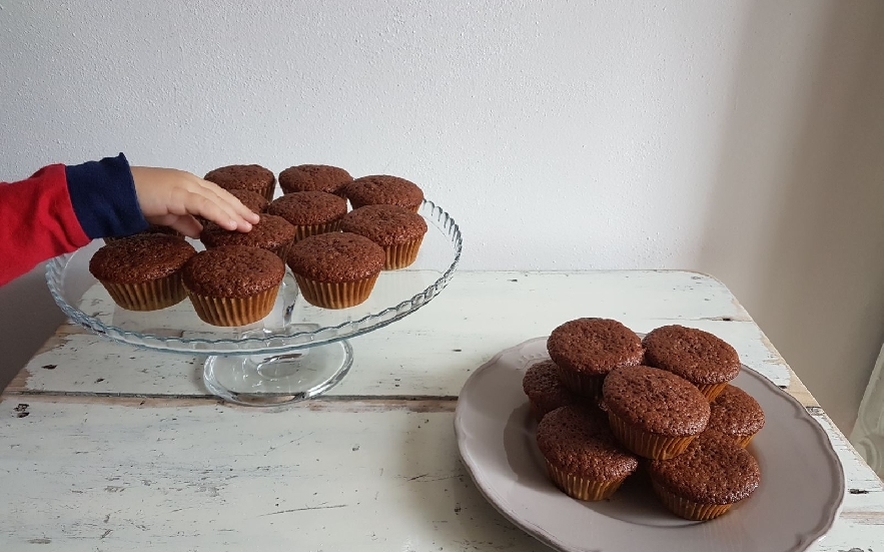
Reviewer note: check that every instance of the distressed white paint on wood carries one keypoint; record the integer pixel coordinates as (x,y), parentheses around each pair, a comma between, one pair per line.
(87,477)
(432,365)
(859,476)
(432,351)
(618,294)
(95,471)
(90,474)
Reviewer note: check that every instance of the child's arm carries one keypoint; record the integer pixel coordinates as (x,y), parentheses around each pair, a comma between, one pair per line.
(38,222)
(62,208)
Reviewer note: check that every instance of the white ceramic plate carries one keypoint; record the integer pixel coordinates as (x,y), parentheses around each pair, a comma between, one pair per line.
(800,493)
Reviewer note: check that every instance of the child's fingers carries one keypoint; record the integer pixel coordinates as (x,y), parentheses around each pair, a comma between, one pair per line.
(227,201)
(208,205)
(188,226)
(164,192)
(185,224)
(227,197)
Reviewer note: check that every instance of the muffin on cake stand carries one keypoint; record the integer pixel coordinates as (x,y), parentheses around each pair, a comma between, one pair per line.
(297,352)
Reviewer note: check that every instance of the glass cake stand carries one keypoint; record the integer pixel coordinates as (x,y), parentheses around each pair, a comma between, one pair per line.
(298,351)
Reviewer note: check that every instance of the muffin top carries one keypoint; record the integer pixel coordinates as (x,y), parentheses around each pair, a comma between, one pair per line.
(385,224)
(308,208)
(336,257)
(543,387)
(712,470)
(693,354)
(655,400)
(247,177)
(251,199)
(140,258)
(384,189)
(578,440)
(232,271)
(270,232)
(735,412)
(594,346)
(323,178)
(151,229)
(160,229)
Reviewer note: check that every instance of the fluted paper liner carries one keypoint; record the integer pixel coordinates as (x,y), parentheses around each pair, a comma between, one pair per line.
(585,385)
(148,296)
(401,255)
(335,295)
(233,311)
(269,191)
(582,488)
(743,440)
(647,444)
(711,390)
(688,509)
(283,250)
(307,230)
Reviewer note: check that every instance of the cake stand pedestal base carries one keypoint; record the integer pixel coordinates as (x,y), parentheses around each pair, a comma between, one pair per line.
(278,379)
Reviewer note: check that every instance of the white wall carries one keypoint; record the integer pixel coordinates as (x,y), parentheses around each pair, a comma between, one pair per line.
(741,138)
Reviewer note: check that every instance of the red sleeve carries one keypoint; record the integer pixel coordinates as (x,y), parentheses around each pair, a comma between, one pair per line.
(38,222)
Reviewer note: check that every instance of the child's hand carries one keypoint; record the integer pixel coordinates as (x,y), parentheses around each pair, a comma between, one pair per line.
(170,197)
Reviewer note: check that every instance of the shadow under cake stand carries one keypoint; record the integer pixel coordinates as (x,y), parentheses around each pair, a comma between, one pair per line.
(298,351)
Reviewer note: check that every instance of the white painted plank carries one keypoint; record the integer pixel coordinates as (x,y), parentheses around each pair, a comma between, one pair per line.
(342,475)
(432,351)
(92,477)
(859,477)
(860,526)
(102,474)
(383,366)
(620,293)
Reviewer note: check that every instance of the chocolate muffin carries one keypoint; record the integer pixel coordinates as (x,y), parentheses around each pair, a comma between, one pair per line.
(336,270)
(271,232)
(586,349)
(399,231)
(697,356)
(582,456)
(709,477)
(233,285)
(382,189)
(654,413)
(545,390)
(309,178)
(736,414)
(310,213)
(253,200)
(244,177)
(142,272)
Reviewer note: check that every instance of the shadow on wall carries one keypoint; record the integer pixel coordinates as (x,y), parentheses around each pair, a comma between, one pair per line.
(28,317)
(796,224)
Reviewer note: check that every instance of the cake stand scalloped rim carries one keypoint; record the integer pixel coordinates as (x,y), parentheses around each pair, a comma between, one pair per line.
(279,343)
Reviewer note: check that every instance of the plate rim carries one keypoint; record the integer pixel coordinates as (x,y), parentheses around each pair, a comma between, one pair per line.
(830,511)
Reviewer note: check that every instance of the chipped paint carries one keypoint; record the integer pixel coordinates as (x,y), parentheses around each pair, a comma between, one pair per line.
(144,455)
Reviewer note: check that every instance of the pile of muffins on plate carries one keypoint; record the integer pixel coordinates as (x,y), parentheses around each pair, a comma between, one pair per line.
(335,254)
(610,403)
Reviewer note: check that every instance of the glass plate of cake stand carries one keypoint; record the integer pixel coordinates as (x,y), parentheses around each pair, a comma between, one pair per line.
(298,351)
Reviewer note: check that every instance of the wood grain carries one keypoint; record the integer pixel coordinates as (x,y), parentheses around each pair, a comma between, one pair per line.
(111,447)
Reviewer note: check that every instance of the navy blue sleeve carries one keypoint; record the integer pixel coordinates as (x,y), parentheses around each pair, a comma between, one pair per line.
(103,197)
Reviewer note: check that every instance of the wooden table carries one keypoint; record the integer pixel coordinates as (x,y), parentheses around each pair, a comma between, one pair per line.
(109,447)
